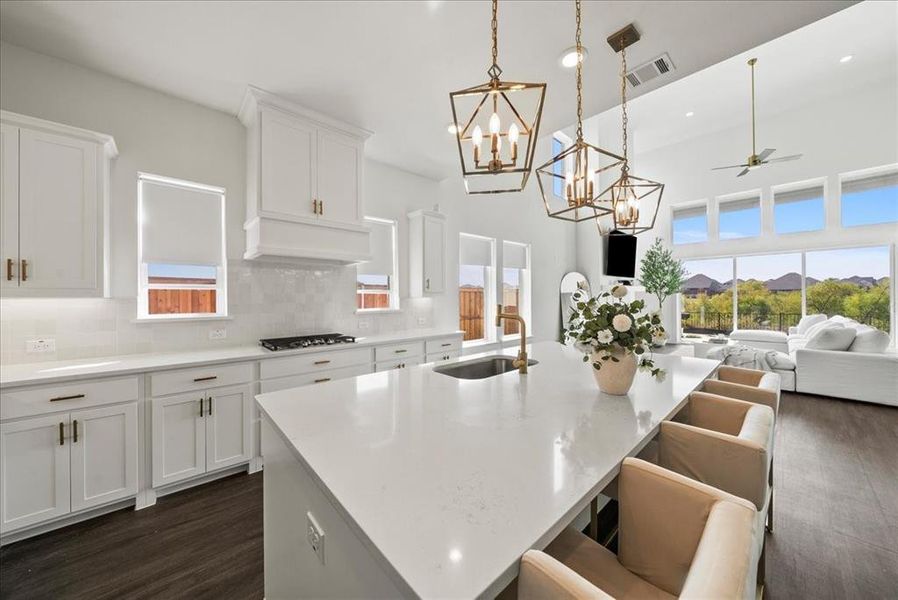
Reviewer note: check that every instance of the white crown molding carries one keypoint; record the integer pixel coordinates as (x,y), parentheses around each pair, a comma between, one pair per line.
(105,140)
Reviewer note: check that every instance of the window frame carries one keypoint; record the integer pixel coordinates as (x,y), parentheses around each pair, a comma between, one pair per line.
(861,175)
(490,331)
(689,206)
(753,196)
(221,279)
(800,186)
(393,291)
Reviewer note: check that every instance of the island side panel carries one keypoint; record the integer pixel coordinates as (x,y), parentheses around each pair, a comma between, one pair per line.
(292,569)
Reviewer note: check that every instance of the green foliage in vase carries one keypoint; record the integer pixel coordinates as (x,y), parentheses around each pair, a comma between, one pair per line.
(662,274)
(606,323)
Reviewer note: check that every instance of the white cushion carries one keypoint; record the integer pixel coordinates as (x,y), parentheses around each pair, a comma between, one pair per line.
(797,344)
(871,340)
(813,329)
(758,335)
(807,321)
(780,361)
(831,338)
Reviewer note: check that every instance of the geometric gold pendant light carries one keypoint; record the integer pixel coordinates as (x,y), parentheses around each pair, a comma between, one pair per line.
(496,125)
(569,181)
(635,200)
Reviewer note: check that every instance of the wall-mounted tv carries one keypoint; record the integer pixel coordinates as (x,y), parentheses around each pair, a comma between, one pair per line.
(620,255)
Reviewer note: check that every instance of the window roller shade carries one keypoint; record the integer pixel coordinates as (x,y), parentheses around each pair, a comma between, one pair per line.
(514,255)
(874,182)
(688,213)
(475,251)
(734,205)
(180,225)
(800,195)
(381,250)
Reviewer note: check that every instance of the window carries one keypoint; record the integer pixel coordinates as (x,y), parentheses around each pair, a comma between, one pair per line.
(707,296)
(557,168)
(870,200)
(852,282)
(690,225)
(476,285)
(515,285)
(740,218)
(798,210)
(768,291)
(182,269)
(376,284)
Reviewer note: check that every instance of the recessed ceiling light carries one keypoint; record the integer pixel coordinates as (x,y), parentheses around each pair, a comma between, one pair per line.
(846,59)
(690,113)
(568,58)
(452,128)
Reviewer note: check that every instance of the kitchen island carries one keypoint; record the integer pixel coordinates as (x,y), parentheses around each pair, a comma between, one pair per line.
(425,485)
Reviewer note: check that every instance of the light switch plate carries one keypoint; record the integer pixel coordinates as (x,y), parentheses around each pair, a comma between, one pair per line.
(219,333)
(43,345)
(315,535)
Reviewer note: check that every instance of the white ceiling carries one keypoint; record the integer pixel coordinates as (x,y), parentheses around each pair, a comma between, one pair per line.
(388,66)
(792,71)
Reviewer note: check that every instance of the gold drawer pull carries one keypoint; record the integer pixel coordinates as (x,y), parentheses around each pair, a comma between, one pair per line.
(24,270)
(62,434)
(209,378)
(75,431)
(321,362)
(210,406)
(8,269)
(446,345)
(322,380)
(400,351)
(74,397)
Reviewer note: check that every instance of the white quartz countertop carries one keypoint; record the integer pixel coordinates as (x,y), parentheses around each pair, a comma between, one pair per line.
(70,370)
(450,481)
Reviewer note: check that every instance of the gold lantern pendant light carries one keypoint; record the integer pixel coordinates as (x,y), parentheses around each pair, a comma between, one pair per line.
(576,169)
(505,163)
(635,200)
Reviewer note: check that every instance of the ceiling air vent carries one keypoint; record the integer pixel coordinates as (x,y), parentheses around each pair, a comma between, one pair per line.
(648,71)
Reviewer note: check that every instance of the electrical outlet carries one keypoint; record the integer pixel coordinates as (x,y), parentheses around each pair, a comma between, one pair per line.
(364,324)
(218,334)
(44,345)
(315,535)
(422,320)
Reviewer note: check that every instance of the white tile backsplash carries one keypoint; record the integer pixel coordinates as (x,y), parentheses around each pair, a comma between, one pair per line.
(265,299)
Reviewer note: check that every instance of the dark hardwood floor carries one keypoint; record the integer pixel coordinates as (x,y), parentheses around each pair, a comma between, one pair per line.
(836,525)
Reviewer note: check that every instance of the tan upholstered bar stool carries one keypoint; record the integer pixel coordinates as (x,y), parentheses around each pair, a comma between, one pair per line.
(727,444)
(678,538)
(750,385)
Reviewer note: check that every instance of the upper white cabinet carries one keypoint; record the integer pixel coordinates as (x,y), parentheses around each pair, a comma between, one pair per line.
(53,200)
(304,183)
(427,253)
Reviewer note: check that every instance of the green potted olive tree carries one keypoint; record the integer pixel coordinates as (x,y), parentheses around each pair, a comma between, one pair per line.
(662,276)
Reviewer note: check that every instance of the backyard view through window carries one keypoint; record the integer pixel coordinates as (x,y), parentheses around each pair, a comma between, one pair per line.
(851,282)
(180,289)
(471,288)
(511,299)
(375,287)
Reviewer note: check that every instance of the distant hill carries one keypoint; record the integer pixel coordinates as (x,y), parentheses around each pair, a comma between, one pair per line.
(790,282)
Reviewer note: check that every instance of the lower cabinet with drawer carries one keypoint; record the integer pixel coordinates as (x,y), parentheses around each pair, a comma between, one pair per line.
(401,363)
(201,431)
(65,462)
(441,356)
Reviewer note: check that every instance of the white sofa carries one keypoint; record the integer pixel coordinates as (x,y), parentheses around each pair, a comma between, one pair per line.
(834,356)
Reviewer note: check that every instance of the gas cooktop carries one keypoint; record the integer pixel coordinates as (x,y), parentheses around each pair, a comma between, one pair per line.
(306,341)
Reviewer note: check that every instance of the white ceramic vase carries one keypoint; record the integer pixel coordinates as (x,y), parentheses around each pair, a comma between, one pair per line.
(615,378)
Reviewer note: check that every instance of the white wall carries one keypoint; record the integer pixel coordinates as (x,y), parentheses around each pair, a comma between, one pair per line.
(165,135)
(851,130)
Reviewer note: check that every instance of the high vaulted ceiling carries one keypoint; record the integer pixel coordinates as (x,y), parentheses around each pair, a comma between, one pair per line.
(388,66)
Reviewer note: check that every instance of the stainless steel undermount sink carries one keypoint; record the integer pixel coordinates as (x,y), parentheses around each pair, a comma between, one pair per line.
(480,368)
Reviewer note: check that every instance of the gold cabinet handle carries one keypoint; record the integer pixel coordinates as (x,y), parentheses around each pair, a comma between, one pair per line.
(210,406)
(400,351)
(202,400)
(209,378)
(314,206)
(446,345)
(321,207)
(321,362)
(24,270)
(8,269)
(75,431)
(427,283)
(62,434)
(72,397)
(322,380)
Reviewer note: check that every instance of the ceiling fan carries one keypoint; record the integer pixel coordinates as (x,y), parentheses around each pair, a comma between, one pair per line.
(756,160)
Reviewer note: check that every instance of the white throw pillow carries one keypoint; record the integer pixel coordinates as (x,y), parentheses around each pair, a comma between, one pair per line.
(807,321)
(813,329)
(832,338)
(872,340)
(780,361)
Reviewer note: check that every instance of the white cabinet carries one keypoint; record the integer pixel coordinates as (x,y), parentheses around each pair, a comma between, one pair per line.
(54,188)
(427,253)
(304,183)
(198,432)
(56,464)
